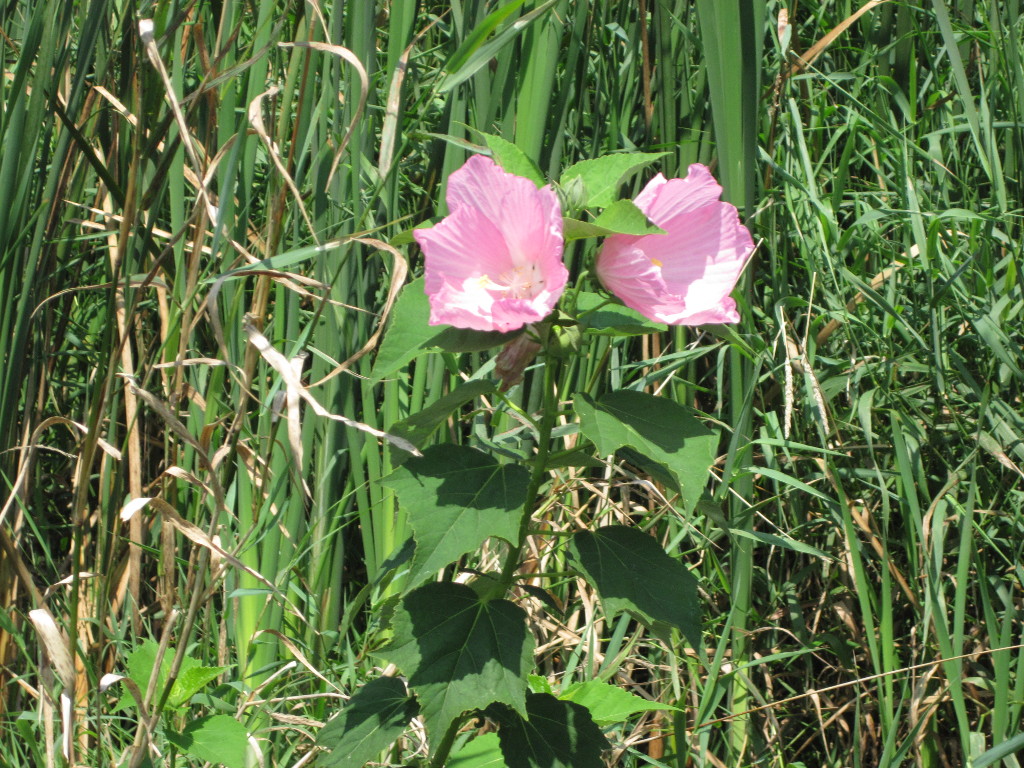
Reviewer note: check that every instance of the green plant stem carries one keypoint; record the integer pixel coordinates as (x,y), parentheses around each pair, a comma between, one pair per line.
(445,747)
(537,476)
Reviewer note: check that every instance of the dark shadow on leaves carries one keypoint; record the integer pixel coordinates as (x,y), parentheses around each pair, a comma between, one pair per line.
(373,718)
(556,734)
(469,478)
(464,637)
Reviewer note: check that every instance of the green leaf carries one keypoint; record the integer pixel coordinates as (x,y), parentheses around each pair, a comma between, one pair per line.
(399,556)
(780,541)
(191,677)
(620,218)
(217,739)
(574,229)
(631,572)
(281,262)
(512,159)
(407,237)
(480,33)
(661,432)
(598,316)
(544,596)
(456,497)
(475,53)
(604,175)
(999,751)
(410,334)
(140,664)
(459,652)
(482,752)
(623,217)
(609,704)
(420,426)
(555,734)
(539,684)
(371,721)
(467,340)
(732,38)
(576,457)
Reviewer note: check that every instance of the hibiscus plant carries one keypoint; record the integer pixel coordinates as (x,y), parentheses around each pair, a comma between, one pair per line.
(459,650)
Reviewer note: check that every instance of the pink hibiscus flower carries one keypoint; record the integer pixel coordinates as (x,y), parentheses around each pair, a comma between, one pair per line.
(495,262)
(685,276)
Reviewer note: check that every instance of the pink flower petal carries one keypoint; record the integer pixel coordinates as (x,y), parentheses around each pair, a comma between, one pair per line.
(494,263)
(685,276)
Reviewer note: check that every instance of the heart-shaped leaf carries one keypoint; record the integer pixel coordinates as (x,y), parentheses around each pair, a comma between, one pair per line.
(371,720)
(659,431)
(482,752)
(192,675)
(217,739)
(631,572)
(457,497)
(555,734)
(512,159)
(459,652)
(603,176)
(410,334)
(600,316)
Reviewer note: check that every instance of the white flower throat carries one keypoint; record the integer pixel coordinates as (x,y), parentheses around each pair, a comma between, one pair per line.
(521,282)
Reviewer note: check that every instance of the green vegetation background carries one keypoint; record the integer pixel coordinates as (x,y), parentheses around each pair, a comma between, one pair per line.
(862,548)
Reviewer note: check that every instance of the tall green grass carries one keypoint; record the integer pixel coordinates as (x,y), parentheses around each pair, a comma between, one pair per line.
(860,544)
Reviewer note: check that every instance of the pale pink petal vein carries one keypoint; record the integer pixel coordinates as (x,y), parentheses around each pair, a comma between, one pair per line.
(685,276)
(495,262)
